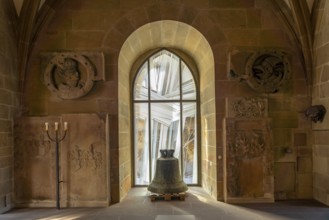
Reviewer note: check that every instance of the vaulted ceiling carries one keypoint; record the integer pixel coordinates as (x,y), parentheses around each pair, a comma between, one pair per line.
(33,15)
(19,3)
(309,3)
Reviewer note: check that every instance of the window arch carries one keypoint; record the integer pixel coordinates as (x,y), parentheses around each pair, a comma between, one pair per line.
(165,113)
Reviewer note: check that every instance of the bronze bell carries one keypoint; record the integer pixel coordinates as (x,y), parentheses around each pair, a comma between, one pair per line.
(167,178)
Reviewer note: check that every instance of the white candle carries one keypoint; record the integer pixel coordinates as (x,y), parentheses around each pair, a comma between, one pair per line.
(46,124)
(56,126)
(65,126)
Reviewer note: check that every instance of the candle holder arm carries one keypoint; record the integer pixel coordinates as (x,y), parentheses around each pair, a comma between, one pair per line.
(52,139)
(63,136)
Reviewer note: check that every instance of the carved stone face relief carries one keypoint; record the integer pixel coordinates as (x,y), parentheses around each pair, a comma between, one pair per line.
(69,75)
(267,71)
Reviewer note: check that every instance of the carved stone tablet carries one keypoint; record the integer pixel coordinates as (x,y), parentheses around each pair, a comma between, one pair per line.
(249,160)
(267,71)
(254,107)
(69,75)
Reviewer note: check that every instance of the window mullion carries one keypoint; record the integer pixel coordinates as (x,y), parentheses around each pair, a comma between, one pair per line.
(181,116)
(149,121)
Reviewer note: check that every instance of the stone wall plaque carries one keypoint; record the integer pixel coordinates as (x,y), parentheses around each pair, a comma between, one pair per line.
(34,170)
(85,161)
(71,75)
(249,160)
(252,107)
(267,71)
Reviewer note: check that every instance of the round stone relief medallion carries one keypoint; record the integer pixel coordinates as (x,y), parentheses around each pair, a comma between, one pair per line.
(69,75)
(267,71)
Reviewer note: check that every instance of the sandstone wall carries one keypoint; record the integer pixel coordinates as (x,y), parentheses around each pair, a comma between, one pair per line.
(9,100)
(231,29)
(320,97)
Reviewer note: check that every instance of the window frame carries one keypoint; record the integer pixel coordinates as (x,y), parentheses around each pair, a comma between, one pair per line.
(189,63)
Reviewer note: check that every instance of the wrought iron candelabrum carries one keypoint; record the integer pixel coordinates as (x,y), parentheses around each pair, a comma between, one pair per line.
(57,139)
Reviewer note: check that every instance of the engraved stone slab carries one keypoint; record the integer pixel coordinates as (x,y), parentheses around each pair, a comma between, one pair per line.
(34,153)
(84,160)
(249,160)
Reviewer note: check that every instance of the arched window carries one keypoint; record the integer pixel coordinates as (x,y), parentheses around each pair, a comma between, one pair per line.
(165,105)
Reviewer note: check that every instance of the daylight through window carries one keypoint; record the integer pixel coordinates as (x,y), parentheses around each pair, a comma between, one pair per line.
(165,116)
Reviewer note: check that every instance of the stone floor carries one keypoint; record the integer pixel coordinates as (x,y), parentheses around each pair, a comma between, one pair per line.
(197,205)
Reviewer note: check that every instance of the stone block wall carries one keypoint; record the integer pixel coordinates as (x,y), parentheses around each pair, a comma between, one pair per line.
(207,31)
(290,129)
(9,99)
(320,94)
